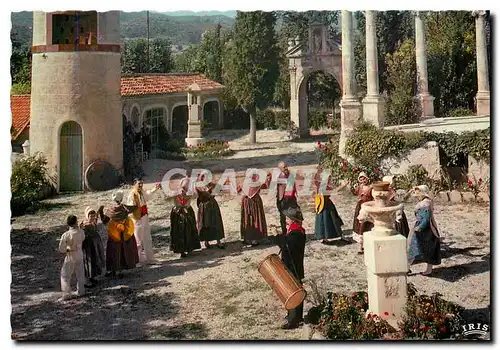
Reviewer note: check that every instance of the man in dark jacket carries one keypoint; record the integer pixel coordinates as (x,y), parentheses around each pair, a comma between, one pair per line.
(292,246)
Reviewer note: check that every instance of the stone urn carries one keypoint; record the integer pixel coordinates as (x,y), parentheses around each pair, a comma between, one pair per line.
(382,215)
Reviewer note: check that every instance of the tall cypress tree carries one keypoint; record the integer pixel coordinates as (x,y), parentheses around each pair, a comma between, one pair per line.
(253,66)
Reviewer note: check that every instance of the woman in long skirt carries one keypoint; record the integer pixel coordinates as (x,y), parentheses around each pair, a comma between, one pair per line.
(364,192)
(401,222)
(183,232)
(93,250)
(253,226)
(328,224)
(210,226)
(121,249)
(425,241)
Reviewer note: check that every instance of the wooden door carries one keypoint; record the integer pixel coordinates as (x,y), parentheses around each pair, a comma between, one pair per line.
(71,158)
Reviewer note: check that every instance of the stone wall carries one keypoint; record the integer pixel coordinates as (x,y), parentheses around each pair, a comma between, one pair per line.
(478,169)
(427,156)
(457,124)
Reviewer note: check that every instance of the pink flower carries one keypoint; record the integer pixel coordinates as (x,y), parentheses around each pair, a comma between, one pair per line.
(443,329)
(353,294)
(326,149)
(386,313)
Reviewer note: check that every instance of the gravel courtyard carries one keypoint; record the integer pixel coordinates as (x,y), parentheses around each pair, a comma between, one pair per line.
(218,294)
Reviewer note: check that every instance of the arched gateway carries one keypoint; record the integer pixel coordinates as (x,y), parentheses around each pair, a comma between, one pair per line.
(319,53)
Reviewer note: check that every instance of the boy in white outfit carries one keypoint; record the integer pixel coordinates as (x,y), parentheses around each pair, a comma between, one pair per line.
(71,245)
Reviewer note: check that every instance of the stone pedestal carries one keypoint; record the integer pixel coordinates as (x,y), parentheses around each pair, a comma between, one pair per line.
(194,141)
(195,115)
(26,147)
(483,103)
(374,110)
(350,113)
(385,257)
(426,103)
(386,270)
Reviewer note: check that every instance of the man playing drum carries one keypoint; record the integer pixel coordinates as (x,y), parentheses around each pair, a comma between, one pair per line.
(292,246)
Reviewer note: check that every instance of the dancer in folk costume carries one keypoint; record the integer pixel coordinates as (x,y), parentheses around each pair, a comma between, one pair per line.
(364,192)
(328,223)
(292,245)
(401,222)
(425,241)
(284,198)
(183,233)
(71,244)
(138,197)
(93,249)
(121,248)
(209,224)
(253,226)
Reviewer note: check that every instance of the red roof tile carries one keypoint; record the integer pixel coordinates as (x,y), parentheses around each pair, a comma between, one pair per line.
(152,84)
(134,85)
(20,108)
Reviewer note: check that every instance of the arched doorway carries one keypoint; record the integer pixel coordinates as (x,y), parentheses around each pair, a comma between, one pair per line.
(180,122)
(71,158)
(319,53)
(323,97)
(210,115)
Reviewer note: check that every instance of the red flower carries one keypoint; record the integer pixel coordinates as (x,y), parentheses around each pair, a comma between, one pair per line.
(344,165)
(326,149)
(375,170)
(386,313)
(320,146)
(480,180)
(443,329)
(426,328)
(345,171)
(368,316)
(353,294)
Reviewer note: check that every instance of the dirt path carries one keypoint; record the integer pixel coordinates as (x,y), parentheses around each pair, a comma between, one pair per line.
(218,294)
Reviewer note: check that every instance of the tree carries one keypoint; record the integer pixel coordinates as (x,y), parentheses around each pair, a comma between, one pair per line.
(20,66)
(185,61)
(209,55)
(451,56)
(252,69)
(160,56)
(135,56)
(401,82)
(393,28)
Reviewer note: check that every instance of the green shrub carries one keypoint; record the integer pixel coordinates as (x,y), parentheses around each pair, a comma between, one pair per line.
(265,119)
(460,112)
(29,183)
(317,119)
(344,317)
(282,119)
(209,149)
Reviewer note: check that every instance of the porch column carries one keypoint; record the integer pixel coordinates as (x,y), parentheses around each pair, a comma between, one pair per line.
(373,103)
(426,101)
(483,84)
(350,107)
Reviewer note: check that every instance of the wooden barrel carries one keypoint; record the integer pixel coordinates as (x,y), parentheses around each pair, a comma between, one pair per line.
(284,284)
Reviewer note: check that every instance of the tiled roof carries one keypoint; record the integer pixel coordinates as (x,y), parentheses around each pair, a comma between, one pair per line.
(20,108)
(151,84)
(134,85)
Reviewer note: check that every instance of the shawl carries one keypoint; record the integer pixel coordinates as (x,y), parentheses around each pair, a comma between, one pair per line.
(118,212)
(426,203)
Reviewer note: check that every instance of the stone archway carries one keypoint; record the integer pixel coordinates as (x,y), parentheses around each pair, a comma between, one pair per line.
(319,53)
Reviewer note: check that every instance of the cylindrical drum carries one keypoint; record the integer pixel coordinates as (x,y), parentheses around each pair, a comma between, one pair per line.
(284,284)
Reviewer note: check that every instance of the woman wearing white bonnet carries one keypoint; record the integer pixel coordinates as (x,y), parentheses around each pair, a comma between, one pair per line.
(401,222)
(364,193)
(425,241)
(121,254)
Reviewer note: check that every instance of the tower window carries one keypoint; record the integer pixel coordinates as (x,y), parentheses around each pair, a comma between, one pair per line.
(71,28)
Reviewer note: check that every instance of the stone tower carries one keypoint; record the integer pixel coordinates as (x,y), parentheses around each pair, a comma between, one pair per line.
(75,93)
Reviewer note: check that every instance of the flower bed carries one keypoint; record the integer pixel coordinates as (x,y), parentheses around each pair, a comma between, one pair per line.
(345,317)
(209,149)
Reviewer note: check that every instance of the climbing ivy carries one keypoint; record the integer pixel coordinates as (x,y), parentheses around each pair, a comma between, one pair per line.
(369,145)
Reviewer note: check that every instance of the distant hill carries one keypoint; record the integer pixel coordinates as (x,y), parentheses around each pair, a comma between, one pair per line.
(231,14)
(182,28)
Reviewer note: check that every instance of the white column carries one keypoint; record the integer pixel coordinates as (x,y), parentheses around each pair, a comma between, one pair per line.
(483,84)
(425,99)
(373,103)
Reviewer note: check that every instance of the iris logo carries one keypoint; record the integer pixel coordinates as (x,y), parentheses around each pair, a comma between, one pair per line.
(481,329)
